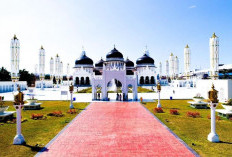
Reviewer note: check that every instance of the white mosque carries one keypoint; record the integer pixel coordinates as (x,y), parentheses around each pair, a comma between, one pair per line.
(115,70)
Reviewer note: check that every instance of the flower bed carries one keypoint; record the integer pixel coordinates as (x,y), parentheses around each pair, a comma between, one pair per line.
(174,112)
(193,114)
(56,114)
(37,116)
(72,111)
(217,117)
(158,110)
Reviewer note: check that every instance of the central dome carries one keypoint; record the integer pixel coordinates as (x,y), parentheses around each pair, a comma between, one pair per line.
(145,59)
(84,60)
(114,55)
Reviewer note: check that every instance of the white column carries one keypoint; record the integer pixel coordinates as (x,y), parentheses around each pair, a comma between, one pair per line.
(187,61)
(42,65)
(159,104)
(51,68)
(171,65)
(167,68)
(19,139)
(214,56)
(176,66)
(213,137)
(71,101)
(15,52)
(160,69)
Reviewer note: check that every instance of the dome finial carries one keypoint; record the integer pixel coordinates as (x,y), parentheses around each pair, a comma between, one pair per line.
(171,54)
(146,51)
(214,35)
(83,49)
(187,46)
(41,47)
(57,55)
(114,46)
(15,37)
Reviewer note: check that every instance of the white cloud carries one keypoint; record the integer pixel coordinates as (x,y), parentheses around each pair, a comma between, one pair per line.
(192,7)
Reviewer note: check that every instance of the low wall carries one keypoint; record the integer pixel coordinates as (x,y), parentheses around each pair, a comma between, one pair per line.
(8,86)
(224,88)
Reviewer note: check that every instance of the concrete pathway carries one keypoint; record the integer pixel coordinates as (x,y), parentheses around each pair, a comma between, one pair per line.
(116,129)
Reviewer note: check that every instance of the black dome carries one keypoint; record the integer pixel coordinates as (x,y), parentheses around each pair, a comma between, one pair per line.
(99,63)
(114,54)
(84,60)
(145,59)
(129,63)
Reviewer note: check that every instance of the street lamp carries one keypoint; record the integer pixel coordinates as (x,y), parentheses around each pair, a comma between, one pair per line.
(213,95)
(158,89)
(71,93)
(18,104)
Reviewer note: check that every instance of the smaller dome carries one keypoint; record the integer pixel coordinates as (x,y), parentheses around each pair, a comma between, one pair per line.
(145,59)
(84,60)
(129,63)
(114,54)
(99,63)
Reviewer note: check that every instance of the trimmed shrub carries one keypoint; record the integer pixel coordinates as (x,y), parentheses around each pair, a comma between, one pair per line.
(36,116)
(158,110)
(193,114)
(56,114)
(174,112)
(72,111)
(217,117)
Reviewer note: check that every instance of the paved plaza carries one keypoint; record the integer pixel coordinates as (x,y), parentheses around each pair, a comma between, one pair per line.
(116,129)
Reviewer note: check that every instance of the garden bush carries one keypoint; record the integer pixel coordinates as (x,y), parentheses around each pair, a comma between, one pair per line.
(174,112)
(37,116)
(158,110)
(217,117)
(72,111)
(56,114)
(193,114)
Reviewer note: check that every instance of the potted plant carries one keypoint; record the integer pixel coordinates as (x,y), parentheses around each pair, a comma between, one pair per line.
(198,98)
(2,107)
(228,105)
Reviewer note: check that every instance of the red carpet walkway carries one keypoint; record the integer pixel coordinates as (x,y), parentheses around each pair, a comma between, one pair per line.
(116,129)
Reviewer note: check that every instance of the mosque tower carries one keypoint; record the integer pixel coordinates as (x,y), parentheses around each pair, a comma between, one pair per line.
(176,66)
(57,66)
(214,56)
(51,68)
(41,65)
(187,58)
(160,69)
(61,71)
(171,65)
(15,52)
(167,68)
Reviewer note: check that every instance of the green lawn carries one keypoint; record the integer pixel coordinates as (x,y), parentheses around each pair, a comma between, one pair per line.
(195,130)
(140,90)
(35,132)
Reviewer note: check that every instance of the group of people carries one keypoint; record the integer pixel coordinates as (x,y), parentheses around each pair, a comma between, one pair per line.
(119,97)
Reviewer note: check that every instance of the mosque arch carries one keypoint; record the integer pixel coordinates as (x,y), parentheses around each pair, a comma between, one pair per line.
(141,81)
(147,80)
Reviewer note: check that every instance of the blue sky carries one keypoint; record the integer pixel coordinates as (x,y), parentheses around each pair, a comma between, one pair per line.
(165,26)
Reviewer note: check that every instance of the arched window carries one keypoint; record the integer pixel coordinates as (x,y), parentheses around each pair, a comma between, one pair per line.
(82,81)
(77,82)
(87,81)
(147,80)
(152,80)
(141,81)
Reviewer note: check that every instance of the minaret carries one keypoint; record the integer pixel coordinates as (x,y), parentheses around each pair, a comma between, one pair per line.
(36,69)
(187,61)
(41,65)
(167,68)
(61,71)
(214,56)
(68,72)
(15,52)
(57,66)
(160,69)
(171,65)
(176,65)
(51,68)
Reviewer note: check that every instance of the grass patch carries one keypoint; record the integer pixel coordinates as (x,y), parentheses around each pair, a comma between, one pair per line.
(37,133)
(194,131)
(140,90)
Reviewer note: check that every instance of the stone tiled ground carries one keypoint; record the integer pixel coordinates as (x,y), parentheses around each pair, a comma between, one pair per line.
(116,129)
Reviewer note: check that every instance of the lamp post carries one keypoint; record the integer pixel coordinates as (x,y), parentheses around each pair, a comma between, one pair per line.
(18,104)
(158,89)
(71,93)
(213,137)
